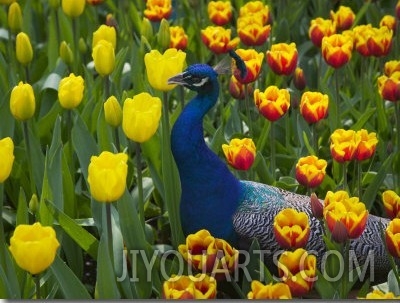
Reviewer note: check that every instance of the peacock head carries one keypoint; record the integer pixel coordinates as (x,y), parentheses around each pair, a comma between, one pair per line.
(201,77)
(196,77)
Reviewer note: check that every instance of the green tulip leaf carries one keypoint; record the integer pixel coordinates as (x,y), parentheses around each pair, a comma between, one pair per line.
(71,287)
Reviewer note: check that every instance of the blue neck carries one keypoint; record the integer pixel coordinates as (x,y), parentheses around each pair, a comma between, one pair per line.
(210,192)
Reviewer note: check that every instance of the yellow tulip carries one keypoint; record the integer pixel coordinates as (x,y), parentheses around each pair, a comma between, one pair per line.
(34,247)
(22,101)
(113,111)
(70,91)
(7,158)
(141,117)
(23,48)
(104,57)
(107,176)
(391,202)
(161,67)
(310,171)
(105,32)
(14,17)
(377,294)
(73,8)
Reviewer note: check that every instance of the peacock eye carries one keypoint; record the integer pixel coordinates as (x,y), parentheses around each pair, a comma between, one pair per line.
(195,80)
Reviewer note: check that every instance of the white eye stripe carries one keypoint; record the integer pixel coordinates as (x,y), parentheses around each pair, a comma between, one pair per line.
(201,83)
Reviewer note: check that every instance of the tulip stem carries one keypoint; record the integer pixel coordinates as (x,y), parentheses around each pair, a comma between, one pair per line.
(359,178)
(337,122)
(117,141)
(28,154)
(2,237)
(248,112)
(169,173)
(109,231)
(76,44)
(139,182)
(314,139)
(37,285)
(272,135)
(344,167)
(106,87)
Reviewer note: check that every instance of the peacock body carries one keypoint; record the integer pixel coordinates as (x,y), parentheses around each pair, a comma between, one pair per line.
(235,210)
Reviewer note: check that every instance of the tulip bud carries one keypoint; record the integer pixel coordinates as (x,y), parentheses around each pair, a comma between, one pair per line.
(24,51)
(22,102)
(15,17)
(397,9)
(73,8)
(299,80)
(104,58)
(66,53)
(316,207)
(163,36)
(110,21)
(34,204)
(113,112)
(82,46)
(146,29)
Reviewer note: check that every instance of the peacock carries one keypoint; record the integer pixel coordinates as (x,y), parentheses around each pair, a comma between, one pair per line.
(238,210)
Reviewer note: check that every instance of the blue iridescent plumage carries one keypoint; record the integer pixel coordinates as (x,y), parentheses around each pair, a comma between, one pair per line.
(235,210)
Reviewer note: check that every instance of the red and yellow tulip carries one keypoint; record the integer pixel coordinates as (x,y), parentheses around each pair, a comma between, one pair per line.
(389,21)
(310,171)
(344,145)
(207,254)
(348,210)
(371,41)
(200,286)
(392,236)
(389,87)
(157,10)
(253,61)
(298,270)
(273,103)
(256,9)
(269,291)
(366,146)
(320,28)
(237,89)
(343,17)
(282,58)
(178,38)
(219,12)
(391,202)
(218,39)
(314,106)
(240,153)
(337,49)
(291,228)
(251,31)
(391,66)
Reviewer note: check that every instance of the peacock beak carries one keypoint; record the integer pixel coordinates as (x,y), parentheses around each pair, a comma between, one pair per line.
(177,79)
